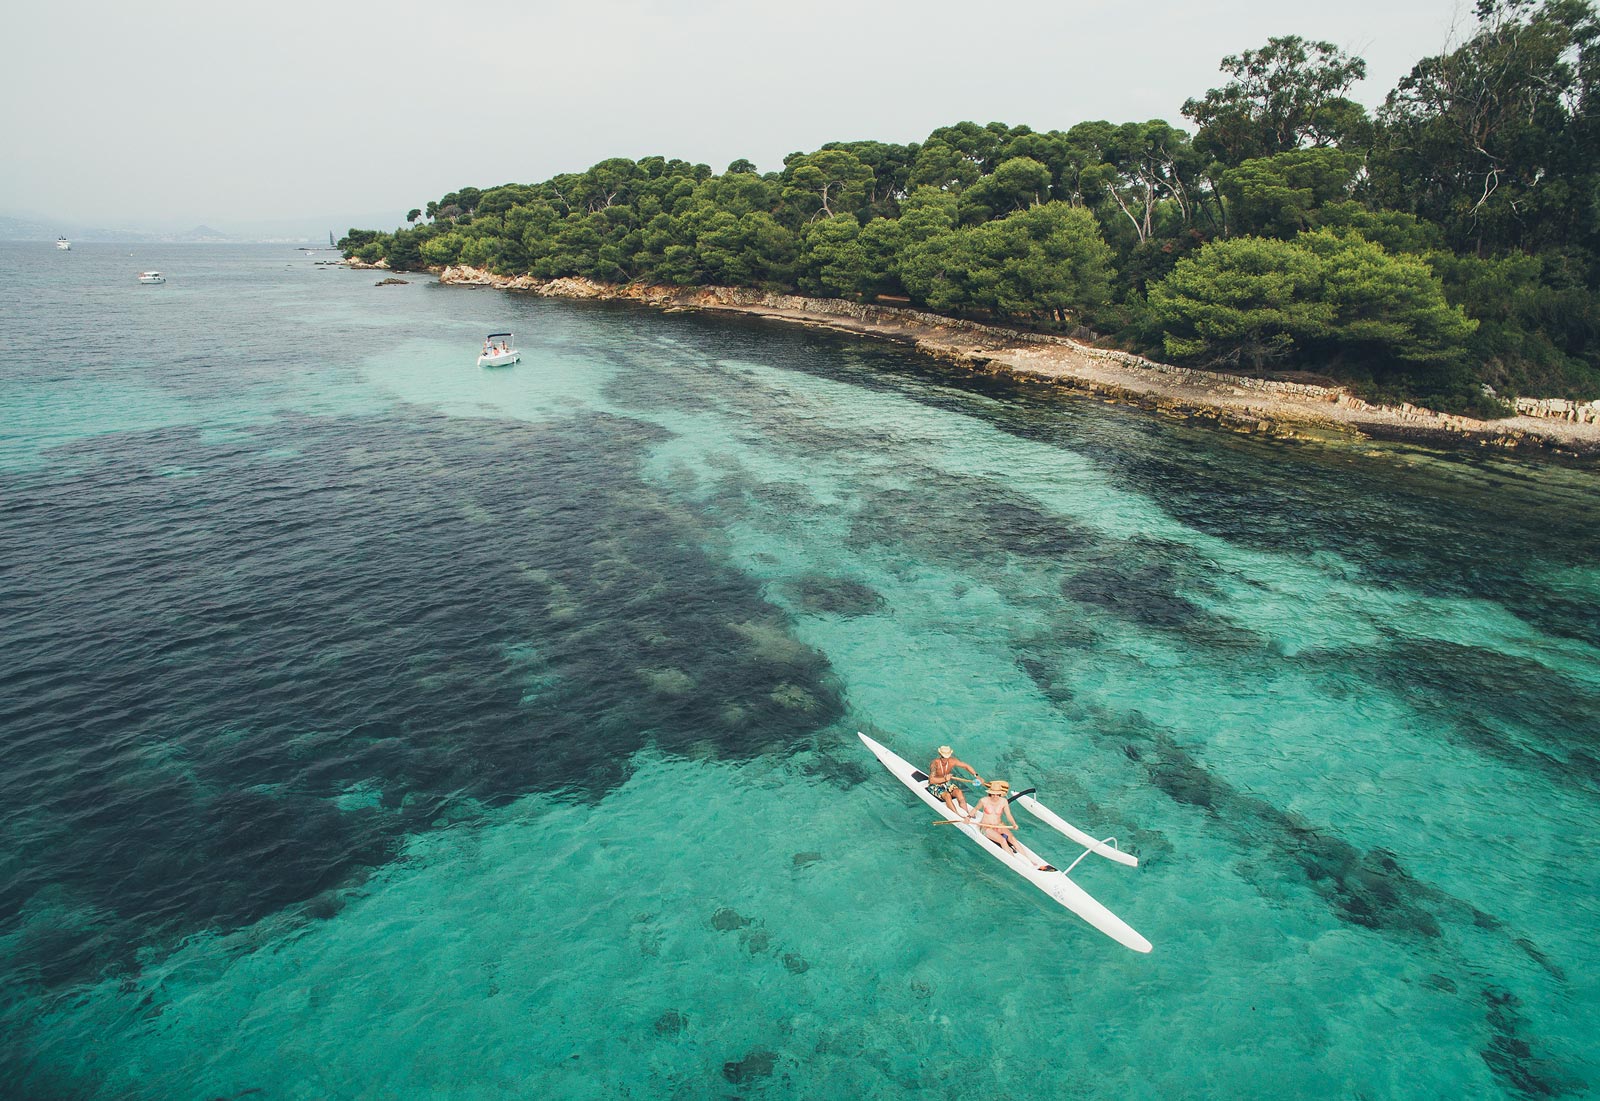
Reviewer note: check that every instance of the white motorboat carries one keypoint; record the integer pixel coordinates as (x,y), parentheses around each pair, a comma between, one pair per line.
(63,244)
(152,277)
(498,352)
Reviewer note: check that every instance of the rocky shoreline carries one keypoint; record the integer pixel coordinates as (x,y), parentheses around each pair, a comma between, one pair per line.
(1240,403)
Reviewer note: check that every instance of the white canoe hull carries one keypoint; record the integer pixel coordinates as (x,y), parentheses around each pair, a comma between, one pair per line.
(1053,883)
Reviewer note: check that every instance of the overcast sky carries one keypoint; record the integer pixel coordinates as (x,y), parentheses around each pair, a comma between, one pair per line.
(171,113)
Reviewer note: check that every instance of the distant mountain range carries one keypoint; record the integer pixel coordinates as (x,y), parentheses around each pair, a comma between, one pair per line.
(297,232)
(23,229)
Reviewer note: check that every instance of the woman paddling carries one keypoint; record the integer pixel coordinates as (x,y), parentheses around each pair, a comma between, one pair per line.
(995,821)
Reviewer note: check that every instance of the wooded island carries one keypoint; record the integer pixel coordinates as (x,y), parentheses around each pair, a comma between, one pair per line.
(1444,250)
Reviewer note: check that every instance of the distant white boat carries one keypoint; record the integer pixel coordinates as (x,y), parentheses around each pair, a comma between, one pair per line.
(152,277)
(497,351)
(63,244)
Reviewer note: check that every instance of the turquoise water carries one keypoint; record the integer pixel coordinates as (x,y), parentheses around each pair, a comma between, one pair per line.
(378,726)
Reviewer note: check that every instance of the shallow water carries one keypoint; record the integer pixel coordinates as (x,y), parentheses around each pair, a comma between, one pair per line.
(378,726)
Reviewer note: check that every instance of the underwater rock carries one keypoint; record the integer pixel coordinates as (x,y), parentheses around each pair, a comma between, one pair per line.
(758,941)
(802,859)
(796,963)
(667,682)
(755,1064)
(793,697)
(770,643)
(822,594)
(671,1023)
(728,919)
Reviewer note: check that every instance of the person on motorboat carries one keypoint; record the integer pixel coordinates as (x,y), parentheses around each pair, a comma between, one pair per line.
(943,783)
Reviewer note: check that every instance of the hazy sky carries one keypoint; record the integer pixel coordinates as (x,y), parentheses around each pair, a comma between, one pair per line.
(169,113)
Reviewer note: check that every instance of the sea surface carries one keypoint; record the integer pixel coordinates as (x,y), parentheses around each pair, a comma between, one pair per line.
(377,726)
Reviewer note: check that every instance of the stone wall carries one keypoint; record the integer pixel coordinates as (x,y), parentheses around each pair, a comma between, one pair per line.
(1578,412)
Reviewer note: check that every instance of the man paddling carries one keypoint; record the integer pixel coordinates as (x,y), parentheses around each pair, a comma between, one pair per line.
(942,781)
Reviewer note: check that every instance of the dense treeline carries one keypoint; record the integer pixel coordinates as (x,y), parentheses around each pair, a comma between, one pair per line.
(1448,242)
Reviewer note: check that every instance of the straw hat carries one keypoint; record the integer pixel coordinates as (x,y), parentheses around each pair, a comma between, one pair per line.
(945,751)
(998,787)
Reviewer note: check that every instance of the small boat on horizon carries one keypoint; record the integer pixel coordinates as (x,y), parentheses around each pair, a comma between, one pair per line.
(497,351)
(152,277)
(63,244)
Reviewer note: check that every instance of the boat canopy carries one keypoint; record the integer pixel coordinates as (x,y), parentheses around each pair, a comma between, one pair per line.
(491,336)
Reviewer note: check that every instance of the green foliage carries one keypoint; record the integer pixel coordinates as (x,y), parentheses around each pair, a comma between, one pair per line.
(941,165)
(831,260)
(1047,262)
(825,183)
(356,239)
(1016,184)
(1324,297)
(1288,94)
(1496,141)
(1385,306)
(1239,301)
(1278,196)
(1539,331)
(1455,242)
(403,253)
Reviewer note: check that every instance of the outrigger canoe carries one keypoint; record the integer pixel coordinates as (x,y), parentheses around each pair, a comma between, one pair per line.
(1028,864)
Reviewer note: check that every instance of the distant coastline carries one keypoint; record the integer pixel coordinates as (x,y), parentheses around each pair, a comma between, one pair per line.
(1277,408)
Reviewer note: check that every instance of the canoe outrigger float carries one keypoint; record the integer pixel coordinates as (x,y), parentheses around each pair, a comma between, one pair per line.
(1051,881)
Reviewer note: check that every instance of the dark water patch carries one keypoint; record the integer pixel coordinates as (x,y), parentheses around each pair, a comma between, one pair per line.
(1143,594)
(826,594)
(1507,707)
(228,695)
(974,521)
(1046,675)
(1514,1061)
(1439,524)
(756,1064)
(1368,888)
(779,497)
(983,529)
